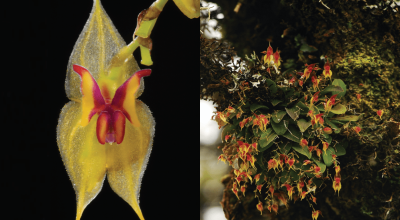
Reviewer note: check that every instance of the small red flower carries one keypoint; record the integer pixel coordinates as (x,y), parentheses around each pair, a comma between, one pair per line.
(358,97)
(291,81)
(260,207)
(303,142)
(357,129)
(275,208)
(277,59)
(301,83)
(336,184)
(306,162)
(315,82)
(291,162)
(303,194)
(289,188)
(222,158)
(315,214)
(257,177)
(310,148)
(271,190)
(273,163)
(380,113)
(243,189)
(325,146)
(327,70)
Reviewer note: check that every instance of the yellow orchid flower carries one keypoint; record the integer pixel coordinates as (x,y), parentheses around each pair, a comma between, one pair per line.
(104,129)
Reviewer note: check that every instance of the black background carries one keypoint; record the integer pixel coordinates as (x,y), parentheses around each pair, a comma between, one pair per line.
(37,40)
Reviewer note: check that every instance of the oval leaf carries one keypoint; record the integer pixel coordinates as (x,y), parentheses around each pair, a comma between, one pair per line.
(280,127)
(267,138)
(293,134)
(331,88)
(293,112)
(302,150)
(339,82)
(303,124)
(272,86)
(320,164)
(328,156)
(254,107)
(274,102)
(347,118)
(277,116)
(339,109)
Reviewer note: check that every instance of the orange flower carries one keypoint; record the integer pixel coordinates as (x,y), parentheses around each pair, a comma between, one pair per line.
(300,186)
(315,82)
(301,83)
(303,142)
(235,189)
(277,60)
(336,184)
(291,81)
(357,129)
(380,113)
(257,177)
(314,99)
(337,169)
(325,146)
(315,214)
(303,194)
(358,97)
(269,55)
(327,70)
(310,148)
(319,152)
(273,163)
(290,162)
(306,162)
(308,71)
(317,119)
(259,187)
(222,158)
(260,207)
(243,189)
(275,208)
(328,105)
(289,188)
(271,190)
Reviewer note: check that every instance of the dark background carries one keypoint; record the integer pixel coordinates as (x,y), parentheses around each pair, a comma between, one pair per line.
(37,40)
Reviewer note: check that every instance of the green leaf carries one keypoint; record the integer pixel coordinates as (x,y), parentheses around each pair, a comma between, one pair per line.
(339,82)
(339,109)
(302,150)
(294,175)
(254,107)
(335,128)
(259,158)
(272,86)
(340,150)
(347,118)
(228,129)
(321,107)
(284,176)
(319,163)
(280,127)
(293,112)
(256,131)
(328,156)
(293,134)
(285,147)
(331,88)
(275,102)
(267,138)
(327,138)
(303,108)
(277,116)
(307,48)
(303,124)
(249,134)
